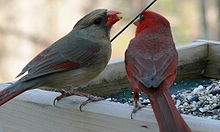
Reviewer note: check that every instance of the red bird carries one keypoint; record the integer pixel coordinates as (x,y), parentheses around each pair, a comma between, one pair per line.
(73,60)
(151,64)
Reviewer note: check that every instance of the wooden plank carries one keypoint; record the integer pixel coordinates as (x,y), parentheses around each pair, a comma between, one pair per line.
(189,53)
(28,117)
(33,111)
(192,60)
(213,65)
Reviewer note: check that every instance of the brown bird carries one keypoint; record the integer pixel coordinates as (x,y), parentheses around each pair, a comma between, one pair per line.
(151,64)
(73,60)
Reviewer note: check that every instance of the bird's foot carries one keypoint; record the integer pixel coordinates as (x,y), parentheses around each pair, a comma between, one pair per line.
(90,99)
(137,107)
(63,94)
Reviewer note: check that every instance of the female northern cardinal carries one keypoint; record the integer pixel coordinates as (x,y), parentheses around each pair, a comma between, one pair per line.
(151,64)
(73,60)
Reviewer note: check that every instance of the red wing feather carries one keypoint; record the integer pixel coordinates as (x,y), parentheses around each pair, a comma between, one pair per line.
(150,63)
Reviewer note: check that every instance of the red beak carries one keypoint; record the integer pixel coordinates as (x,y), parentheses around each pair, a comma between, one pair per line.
(137,22)
(112,17)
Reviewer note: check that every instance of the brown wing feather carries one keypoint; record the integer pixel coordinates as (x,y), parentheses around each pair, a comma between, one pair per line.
(65,54)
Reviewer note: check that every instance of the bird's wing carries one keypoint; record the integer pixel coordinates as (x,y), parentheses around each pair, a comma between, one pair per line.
(150,68)
(63,55)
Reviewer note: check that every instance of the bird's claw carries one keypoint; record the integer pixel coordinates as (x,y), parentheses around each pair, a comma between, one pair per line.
(90,99)
(63,94)
(136,108)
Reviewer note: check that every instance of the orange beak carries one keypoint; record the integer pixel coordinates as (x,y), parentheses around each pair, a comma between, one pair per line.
(112,17)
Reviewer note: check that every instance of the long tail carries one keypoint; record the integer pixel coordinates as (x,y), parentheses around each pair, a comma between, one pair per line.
(12,91)
(167,115)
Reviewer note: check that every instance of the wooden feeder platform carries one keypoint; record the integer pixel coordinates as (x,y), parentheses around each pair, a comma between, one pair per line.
(33,111)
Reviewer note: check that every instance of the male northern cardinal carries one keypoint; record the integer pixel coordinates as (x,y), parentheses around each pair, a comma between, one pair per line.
(151,64)
(73,60)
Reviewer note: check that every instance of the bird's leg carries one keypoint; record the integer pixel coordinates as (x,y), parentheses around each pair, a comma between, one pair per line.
(137,105)
(91,98)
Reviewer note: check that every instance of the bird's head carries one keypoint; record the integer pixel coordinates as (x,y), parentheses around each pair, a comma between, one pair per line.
(149,19)
(100,20)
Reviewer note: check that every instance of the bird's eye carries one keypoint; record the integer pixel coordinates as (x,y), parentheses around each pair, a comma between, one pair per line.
(142,16)
(98,21)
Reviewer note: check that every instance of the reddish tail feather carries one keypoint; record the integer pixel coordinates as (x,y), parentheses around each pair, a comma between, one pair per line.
(167,115)
(12,91)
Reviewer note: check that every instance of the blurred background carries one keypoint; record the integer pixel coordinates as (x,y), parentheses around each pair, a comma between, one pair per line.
(27,27)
